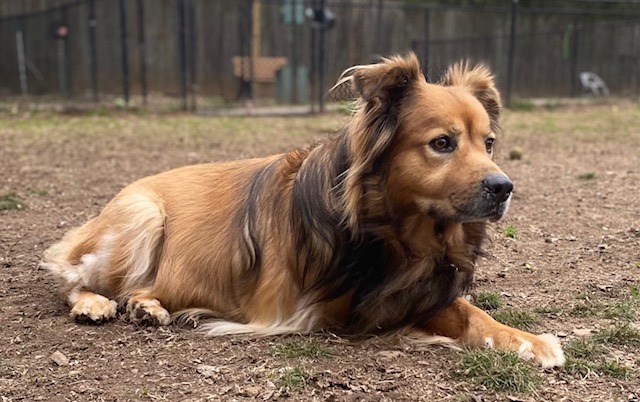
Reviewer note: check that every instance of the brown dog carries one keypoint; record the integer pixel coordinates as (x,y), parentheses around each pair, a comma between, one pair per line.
(375,230)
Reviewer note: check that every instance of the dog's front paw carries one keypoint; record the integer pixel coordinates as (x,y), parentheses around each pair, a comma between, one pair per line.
(147,312)
(545,349)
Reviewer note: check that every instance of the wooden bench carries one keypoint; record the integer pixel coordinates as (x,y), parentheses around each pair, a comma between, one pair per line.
(264,68)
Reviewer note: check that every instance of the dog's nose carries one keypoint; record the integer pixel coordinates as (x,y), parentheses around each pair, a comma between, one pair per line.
(498,185)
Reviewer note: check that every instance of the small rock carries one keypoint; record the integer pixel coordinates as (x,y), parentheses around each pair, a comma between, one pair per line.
(252,391)
(561,334)
(390,354)
(603,246)
(581,332)
(207,371)
(516,153)
(605,288)
(59,359)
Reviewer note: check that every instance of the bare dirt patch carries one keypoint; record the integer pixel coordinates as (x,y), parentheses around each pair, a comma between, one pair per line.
(569,253)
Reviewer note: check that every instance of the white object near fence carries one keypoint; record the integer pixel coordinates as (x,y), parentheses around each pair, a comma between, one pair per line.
(593,84)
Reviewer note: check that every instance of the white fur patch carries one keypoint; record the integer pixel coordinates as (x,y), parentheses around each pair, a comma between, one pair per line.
(303,321)
(488,343)
(142,234)
(525,351)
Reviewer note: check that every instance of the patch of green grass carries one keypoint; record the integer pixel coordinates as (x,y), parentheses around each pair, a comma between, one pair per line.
(547,310)
(621,310)
(580,367)
(11,201)
(517,319)
(591,354)
(41,192)
(293,378)
(584,310)
(619,334)
(488,300)
(587,176)
(295,348)
(522,105)
(143,393)
(583,296)
(584,349)
(510,231)
(614,369)
(551,105)
(499,371)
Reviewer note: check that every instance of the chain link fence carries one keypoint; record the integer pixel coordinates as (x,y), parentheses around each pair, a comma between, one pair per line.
(281,56)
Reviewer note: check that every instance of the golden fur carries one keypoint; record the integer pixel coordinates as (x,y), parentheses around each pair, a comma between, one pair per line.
(375,230)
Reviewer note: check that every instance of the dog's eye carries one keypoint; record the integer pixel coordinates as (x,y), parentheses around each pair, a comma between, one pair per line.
(489,144)
(442,144)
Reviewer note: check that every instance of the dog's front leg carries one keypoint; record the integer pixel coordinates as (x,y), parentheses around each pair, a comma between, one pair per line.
(472,327)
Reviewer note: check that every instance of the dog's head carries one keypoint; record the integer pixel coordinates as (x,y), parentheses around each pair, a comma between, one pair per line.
(430,146)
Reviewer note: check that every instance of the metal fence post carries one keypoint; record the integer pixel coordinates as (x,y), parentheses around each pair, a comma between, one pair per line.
(322,70)
(22,64)
(92,49)
(574,59)
(142,50)
(313,63)
(512,51)
(125,52)
(183,53)
(192,55)
(426,38)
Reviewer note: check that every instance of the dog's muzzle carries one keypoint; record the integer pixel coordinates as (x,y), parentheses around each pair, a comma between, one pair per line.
(497,187)
(491,200)
(496,191)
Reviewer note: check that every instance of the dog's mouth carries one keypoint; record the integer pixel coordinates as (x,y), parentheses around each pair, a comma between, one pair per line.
(480,208)
(484,208)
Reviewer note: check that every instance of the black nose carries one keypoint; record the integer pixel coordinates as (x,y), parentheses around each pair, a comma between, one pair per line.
(498,185)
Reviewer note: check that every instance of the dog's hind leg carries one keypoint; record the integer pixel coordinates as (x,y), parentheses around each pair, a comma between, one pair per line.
(112,256)
(77,262)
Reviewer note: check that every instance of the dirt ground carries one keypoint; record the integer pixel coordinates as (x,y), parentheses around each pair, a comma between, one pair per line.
(576,211)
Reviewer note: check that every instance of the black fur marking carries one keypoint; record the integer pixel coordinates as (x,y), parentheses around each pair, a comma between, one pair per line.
(379,311)
(248,217)
(314,219)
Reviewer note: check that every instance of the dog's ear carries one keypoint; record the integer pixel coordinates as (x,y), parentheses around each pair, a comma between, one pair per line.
(384,81)
(480,83)
(380,89)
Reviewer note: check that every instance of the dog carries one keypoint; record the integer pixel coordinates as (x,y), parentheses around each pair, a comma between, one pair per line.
(376,230)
